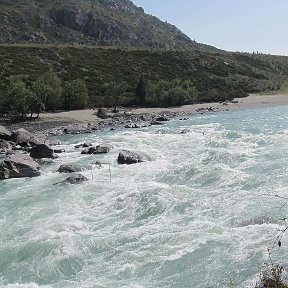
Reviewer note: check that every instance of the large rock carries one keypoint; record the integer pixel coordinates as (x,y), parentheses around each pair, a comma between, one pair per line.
(74,179)
(69,168)
(42,151)
(4,133)
(99,149)
(6,145)
(129,157)
(103,113)
(18,166)
(24,138)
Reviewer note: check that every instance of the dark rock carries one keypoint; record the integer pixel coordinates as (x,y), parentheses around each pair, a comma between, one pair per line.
(69,168)
(74,179)
(18,166)
(4,133)
(185,131)
(58,151)
(162,119)
(42,151)
(99,149)
(143,118)
(129,157)
(84,145)
(24,138)
(156,123)
(103,113)
(44,161)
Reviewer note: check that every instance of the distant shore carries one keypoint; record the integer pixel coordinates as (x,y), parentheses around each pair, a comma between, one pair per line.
(252,101)
(48,122)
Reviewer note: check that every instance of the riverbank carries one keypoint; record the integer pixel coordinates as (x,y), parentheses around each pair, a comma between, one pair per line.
(80,120)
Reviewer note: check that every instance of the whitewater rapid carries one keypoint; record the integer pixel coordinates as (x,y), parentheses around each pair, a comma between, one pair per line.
(200,212)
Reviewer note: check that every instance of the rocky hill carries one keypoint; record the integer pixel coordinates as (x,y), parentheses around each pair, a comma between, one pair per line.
(101,22)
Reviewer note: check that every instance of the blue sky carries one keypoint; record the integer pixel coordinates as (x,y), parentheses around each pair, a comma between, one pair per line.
(234,25)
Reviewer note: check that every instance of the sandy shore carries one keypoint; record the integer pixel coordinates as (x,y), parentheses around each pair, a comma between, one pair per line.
(251,101)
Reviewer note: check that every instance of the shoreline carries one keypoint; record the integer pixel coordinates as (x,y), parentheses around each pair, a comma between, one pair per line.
(85,121)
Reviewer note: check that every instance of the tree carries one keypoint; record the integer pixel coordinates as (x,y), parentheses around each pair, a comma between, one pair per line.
(140,93)
(171,93)
(50,88)
(20,98)
(75,95)
(114,91)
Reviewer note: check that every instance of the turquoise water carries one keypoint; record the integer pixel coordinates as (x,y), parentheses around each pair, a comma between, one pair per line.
(184,218)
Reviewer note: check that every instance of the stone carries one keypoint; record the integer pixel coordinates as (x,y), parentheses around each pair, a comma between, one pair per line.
(69,168)
(6,145)
(103,113)
(24,138)
(99,149)
(4,133)
(162,119)
(18,166)
(58,151)
(129,157)
(42,151)
(74,179)
(156,123)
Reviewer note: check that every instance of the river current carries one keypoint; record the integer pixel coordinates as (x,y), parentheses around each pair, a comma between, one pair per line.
(201,212)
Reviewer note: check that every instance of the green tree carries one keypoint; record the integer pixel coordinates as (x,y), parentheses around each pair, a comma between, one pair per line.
(75,95)
(140,93)
(20,98)
(50,88)
(114,91)
(171,93)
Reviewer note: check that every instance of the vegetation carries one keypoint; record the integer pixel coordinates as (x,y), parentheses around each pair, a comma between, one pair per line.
(273,278)
(171,93)
(133,76)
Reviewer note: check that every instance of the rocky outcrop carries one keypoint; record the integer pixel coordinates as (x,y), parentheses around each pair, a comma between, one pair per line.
(104,22)
(18,166)
(42,151)
(129,157)
(69,168)
(24,138)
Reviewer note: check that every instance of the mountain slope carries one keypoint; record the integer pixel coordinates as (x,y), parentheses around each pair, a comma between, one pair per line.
(102,22)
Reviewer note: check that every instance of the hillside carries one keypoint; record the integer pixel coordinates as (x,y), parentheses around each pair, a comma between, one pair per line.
(100,22)
(108,44)
(217,76)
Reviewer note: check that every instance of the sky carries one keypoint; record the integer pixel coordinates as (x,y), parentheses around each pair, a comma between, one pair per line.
(232,25)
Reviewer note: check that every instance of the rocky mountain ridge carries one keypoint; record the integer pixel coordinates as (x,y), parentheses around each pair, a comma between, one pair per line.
(92,22)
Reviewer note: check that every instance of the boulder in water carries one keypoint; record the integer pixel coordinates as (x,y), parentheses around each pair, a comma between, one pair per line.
(74,179)
(129,157)
(69,168)
(42,151)
(18,166)
(99,149)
